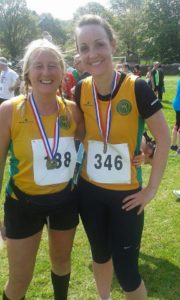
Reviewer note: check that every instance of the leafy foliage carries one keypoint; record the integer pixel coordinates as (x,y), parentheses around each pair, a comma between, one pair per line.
(121,7)
(162,30)
(18,26)
(93,8)
(148,28)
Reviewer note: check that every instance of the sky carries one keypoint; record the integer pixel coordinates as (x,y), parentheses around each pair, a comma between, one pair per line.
(61,9)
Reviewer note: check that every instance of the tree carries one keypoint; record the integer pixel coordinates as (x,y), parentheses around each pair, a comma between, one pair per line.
(127,23)
(93,8)
(160,34)
(151,28)
(18,27)
(121,7)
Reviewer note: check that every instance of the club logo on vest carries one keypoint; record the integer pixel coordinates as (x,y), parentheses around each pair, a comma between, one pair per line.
(64,122)
(124,107)
(25,121)
(88,103)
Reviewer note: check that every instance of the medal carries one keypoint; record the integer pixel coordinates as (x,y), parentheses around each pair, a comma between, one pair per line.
(105,148)
(106,132)
(51,164)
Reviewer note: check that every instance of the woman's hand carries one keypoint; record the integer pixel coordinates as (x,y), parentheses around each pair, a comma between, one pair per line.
(139,159)
(141,199)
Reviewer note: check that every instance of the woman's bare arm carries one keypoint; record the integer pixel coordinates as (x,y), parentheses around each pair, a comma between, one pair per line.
(159,129)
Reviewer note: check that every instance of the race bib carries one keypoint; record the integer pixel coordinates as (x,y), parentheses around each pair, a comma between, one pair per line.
(55,171)
(111,167)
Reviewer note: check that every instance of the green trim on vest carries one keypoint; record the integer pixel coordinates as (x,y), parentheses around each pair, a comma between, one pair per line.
(13,167)
(138,143)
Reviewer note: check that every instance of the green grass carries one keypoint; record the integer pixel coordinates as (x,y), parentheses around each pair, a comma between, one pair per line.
(159,258)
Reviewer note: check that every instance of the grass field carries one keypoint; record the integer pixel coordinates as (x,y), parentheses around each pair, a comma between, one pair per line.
(160,250)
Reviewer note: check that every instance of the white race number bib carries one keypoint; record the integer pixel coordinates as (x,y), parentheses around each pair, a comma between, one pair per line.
(65,160)
(111,167)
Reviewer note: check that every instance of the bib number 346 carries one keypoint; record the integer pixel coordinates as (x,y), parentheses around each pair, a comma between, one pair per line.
(108,162)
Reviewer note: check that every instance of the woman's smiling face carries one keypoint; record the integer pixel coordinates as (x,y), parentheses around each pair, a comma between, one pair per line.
(95,49)
(45,73)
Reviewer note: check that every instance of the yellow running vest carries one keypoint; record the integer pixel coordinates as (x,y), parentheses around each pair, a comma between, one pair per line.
(126,128)
(23,130)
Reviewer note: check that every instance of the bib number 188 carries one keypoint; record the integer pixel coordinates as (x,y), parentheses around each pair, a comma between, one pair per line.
(66,159)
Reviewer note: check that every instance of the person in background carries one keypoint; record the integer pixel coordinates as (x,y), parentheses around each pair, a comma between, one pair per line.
(119,67)
(77,67)
(137,71)
(148,76)
(69,68)
(9,80)
(67,84)
(111,198)
(161,80)
(175,146)
(81,71)
(126,68)
(157,80)
(38,129)
(80,68)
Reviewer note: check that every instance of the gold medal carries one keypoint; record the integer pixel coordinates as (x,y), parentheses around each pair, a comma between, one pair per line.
(51,164)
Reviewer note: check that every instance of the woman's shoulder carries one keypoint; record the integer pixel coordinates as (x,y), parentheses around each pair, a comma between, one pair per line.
(18,100)
(6,110)
(13,104)
(8,104)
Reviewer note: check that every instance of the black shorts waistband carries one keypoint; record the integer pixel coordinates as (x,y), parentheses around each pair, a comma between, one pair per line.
(43,199)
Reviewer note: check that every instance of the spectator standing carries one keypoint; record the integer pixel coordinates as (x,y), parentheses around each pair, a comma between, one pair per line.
(126,68)
(161,81)
(77,67)
(80,68)
(157,80)
(148,76)
(137,71)
(80,71)
(9,80)
(176,129)
(119,67)
(67,84)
